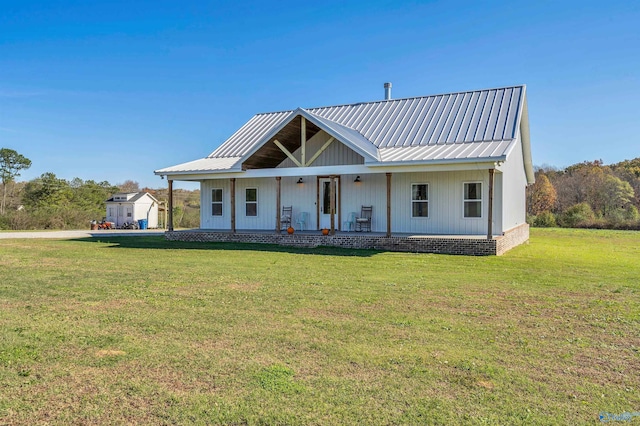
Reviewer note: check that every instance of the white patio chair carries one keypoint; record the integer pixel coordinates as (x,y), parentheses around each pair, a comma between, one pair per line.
(350,223)
(301,221)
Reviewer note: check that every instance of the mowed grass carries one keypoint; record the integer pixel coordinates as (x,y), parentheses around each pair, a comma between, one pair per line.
(144,331)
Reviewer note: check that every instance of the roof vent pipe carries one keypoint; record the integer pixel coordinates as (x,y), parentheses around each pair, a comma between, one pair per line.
(387,91)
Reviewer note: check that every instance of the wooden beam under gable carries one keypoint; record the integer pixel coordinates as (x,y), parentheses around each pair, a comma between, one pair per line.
(286,151)
(320,151)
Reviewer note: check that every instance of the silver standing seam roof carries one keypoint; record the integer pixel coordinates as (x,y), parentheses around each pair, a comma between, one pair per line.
(480,125)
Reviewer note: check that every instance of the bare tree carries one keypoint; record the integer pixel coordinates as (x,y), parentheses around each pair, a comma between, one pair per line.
(129,186)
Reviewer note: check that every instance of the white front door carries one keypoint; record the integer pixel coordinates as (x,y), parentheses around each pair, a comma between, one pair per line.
(325,203)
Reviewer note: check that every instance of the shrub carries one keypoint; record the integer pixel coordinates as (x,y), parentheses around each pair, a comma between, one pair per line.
(546,219)
(577,215)
(632,213)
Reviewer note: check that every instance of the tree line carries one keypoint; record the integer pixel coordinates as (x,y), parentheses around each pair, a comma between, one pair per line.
(586,195)
(589,194)
(50,202)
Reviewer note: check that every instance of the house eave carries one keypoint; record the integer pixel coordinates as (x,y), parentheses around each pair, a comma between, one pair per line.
(427,163)
(355,169)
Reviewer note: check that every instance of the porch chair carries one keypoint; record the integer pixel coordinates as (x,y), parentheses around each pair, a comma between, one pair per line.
(285,219)
(364,221)
(350,223)
(303,218)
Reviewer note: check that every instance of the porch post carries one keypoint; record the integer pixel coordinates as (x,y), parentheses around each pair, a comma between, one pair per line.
(170,228)
(233,205)
(332,204)
(278,225)
(490,214)
(388,205)
(318,203)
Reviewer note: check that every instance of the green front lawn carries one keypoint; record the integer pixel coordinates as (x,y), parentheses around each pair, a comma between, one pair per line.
(140,330)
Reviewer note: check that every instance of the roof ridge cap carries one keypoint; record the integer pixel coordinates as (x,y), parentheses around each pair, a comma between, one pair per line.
(523,86)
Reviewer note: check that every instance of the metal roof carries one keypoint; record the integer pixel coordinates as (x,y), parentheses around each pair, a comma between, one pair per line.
(203,165)
(478,124)
(459,151)
(133,199)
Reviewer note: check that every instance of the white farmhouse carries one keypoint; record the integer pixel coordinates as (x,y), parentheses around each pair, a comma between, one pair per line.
(130,207)
(442,173)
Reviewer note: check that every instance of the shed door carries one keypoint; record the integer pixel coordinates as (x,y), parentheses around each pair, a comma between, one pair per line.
(121,219)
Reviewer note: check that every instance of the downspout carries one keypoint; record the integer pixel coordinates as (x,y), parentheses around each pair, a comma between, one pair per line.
(149,211)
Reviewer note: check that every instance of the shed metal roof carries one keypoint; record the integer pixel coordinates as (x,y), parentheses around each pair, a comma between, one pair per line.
(479,124)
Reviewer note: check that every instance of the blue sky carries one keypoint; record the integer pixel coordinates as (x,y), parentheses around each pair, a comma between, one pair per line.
(114,90)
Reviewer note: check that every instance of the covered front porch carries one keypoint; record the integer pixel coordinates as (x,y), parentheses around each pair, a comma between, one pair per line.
(474,245)
(411,202)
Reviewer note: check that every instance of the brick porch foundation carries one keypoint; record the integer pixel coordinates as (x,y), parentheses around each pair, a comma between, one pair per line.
(469,245)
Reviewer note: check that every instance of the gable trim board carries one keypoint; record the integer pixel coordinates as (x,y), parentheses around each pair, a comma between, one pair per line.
(447,135)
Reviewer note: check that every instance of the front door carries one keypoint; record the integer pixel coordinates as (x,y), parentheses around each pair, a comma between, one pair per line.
(324,198)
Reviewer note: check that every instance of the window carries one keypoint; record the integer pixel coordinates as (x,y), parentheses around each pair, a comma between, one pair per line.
(419,200)
(251,201)
(473,199)
(216,202)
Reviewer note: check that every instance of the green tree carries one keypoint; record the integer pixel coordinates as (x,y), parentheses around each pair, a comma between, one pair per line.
(47,191)
(10,165)
(90,195)
(614,195)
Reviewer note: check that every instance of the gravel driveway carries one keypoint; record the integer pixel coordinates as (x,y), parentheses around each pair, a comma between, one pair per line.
(69,235)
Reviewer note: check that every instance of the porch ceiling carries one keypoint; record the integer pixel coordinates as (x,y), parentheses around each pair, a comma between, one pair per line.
(269,155)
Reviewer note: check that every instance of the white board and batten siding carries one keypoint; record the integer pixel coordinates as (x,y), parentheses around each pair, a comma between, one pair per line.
(207,219)
(446,204)
(292,194)
(514,183)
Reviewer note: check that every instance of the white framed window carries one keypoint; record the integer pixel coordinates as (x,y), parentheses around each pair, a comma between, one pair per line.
(472,199)
(419,200)
(251,201)
(216,202)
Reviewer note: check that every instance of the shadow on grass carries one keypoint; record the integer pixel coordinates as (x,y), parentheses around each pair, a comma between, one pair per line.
(160,243)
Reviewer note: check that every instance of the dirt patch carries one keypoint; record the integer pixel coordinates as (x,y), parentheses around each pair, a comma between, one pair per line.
(109,352)
(486,384)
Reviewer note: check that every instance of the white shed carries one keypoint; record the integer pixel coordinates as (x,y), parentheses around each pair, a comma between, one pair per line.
(132,207)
